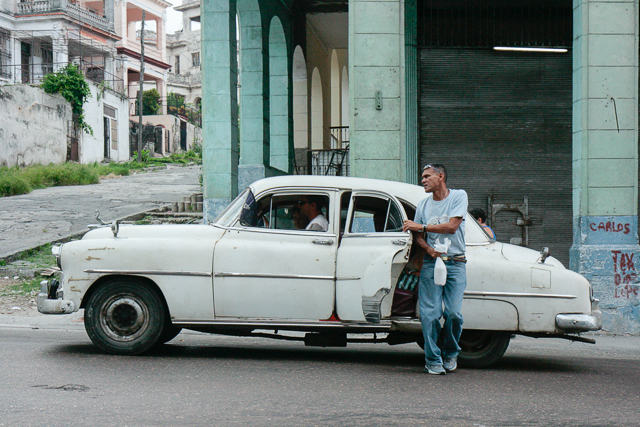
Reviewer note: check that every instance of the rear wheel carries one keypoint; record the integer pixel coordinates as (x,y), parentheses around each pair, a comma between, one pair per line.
(481,349)
(125,317)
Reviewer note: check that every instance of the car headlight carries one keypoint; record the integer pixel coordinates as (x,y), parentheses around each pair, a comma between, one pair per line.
(57,251)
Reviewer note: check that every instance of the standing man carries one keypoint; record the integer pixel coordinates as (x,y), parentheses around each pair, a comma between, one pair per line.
(438,217)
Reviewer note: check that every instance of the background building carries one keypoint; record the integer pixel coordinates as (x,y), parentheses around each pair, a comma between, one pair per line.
(546,140)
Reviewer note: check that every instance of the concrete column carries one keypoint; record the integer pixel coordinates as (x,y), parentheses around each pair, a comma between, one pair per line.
(376,68)
(220,106)
(60,50)
(605,157)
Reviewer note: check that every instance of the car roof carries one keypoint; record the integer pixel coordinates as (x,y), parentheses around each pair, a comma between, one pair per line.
(408,192)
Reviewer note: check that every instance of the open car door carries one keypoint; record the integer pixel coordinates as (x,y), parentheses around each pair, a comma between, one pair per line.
(372,253)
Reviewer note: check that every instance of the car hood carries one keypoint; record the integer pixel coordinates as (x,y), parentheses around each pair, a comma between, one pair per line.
(176,231)
(522,254)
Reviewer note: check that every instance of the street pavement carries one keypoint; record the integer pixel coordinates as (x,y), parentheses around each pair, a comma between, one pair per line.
(55,213)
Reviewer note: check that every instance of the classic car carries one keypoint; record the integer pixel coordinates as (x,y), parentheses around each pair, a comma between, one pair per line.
(255,271)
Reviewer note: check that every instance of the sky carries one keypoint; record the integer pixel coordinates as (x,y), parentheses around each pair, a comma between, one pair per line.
(174,18)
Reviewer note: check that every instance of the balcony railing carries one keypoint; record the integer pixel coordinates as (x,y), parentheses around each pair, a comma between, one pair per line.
(88,17)
(185,79)
(74,11)
(34,73)
(326,162)
(339,137)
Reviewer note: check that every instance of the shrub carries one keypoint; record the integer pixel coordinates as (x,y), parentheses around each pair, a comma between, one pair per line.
(12,184)
(70,83)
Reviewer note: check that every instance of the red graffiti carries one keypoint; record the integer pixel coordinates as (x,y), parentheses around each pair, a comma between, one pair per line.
(624,275)
(627,291)
(611,227)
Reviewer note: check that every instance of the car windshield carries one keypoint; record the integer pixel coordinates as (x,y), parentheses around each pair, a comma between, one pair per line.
(228,216)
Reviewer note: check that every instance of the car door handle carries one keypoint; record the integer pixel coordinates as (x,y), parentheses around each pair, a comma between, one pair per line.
(323,242)
(399,242)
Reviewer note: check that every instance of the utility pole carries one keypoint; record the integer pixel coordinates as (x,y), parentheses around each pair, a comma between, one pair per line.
(141,88)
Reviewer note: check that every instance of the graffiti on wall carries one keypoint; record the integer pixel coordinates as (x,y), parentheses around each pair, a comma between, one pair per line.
(625,276)
(611,227)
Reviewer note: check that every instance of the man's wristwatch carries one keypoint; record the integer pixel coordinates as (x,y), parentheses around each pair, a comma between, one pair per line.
(424,228)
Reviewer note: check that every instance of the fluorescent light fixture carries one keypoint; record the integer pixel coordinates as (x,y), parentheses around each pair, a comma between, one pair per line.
(531,49)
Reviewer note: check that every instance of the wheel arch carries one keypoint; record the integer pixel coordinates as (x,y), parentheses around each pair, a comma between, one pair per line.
(480,313)
(104,280)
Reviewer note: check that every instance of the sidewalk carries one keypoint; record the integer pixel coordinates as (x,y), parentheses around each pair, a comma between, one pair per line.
(55,213)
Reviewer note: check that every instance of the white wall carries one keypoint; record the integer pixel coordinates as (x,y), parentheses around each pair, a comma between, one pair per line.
(172,125)
(33,126)
(91,148)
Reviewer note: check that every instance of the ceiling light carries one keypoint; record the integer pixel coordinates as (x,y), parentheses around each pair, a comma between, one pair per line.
(531,49)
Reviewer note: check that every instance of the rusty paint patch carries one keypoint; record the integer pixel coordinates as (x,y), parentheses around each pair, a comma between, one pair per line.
(101,249)
(90,258)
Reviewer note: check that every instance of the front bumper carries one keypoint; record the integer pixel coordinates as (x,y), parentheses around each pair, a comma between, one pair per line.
(49,301)
(581,322)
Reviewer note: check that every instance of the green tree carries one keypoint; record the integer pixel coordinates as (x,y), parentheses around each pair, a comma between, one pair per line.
(70,83)
(150,102)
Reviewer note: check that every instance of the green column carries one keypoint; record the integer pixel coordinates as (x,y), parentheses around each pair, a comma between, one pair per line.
(377,89)
(605,157)
(220,106)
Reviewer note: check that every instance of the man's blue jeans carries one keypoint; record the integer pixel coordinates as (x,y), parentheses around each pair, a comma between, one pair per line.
(431,297)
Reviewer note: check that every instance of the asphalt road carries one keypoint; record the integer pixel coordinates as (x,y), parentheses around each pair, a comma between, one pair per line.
(50,214)
(53,376)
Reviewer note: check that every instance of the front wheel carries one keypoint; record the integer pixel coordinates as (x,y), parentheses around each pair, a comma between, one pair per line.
(125,317)
(481,349)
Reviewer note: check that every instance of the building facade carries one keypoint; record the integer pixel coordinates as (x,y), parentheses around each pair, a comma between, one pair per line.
(38,38)
(184,53)
(533,107)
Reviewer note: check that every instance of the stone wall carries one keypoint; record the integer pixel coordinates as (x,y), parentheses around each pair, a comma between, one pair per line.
(33,126)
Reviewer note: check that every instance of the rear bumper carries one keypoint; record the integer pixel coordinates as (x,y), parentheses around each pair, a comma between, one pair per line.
(581,322)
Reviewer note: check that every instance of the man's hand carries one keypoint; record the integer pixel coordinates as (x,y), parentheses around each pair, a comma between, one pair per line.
(433,253)
(410,225)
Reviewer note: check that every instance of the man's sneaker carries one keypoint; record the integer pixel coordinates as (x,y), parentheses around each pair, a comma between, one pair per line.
(450,364)
(435,369)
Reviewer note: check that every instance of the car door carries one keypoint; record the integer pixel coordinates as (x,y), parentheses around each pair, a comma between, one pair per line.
(373,251)
(265,268)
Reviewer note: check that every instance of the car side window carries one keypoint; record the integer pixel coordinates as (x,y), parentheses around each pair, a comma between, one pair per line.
(375,215)
(284,211)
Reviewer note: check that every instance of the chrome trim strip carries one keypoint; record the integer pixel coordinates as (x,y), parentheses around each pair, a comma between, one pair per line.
(273,276)
(150,272)
(268,324)
(516,295)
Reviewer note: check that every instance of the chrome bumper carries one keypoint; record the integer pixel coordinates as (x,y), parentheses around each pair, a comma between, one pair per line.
(581,322)
(49,305)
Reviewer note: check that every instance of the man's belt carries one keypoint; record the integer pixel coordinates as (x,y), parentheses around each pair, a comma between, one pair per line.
(457,258)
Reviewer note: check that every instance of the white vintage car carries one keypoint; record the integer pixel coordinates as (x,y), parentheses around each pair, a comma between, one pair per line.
(255,270)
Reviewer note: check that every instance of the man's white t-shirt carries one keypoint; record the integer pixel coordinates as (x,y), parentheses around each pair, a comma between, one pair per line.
(434,212)
(318,223)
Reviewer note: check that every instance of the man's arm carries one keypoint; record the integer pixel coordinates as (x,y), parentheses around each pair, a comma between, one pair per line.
(424,245)
(448,228)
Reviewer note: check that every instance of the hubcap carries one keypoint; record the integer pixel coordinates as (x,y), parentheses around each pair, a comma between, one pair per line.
(124,317)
